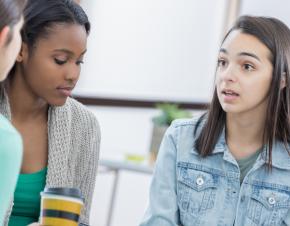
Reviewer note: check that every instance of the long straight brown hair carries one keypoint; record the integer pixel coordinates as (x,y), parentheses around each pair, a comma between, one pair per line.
(276,36)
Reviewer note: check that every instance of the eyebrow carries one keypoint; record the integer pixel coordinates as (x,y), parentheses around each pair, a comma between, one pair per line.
(242,54)
(68,51)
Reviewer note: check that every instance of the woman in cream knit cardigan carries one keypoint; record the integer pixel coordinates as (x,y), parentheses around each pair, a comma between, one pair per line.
(61,137)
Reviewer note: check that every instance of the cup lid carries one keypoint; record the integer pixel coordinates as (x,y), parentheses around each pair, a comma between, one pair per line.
(70,192)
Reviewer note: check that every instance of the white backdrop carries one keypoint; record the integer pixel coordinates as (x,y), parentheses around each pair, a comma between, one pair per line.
(152,49)
(274,8)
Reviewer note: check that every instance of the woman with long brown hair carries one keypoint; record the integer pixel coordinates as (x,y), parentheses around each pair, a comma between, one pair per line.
(231,166)
(10,142)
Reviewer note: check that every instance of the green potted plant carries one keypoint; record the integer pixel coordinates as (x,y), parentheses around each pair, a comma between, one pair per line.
(161,122)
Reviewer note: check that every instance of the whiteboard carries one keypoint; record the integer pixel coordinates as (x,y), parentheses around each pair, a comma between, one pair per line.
(152,49)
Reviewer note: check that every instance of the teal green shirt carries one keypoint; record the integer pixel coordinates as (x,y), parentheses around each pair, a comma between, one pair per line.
(247,163)
(10,163)
(26,208)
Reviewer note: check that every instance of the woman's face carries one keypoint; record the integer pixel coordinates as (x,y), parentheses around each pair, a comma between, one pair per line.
(244,74)
(52,69)
(8,53)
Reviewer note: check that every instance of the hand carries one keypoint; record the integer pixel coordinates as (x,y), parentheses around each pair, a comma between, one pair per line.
(34,224)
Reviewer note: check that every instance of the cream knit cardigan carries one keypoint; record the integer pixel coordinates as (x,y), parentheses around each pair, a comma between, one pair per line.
(73,149)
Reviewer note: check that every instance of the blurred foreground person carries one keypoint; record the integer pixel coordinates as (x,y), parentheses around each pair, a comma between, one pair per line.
(11,21)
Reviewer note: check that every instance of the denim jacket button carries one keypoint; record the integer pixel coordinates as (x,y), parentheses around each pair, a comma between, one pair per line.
(199,181)
(271,200)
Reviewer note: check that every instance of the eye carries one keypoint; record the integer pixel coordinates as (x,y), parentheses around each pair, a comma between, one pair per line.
(248,67)
(59,62)
(222,63)
(79,62)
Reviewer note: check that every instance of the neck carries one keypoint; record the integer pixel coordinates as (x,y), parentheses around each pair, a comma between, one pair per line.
(24,103)
(244,133)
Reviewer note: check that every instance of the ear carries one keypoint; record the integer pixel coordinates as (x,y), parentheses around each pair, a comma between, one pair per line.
(283,83)
(4,34)
(23,53)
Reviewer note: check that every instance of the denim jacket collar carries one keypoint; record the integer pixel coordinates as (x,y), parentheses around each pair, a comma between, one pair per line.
(221,144)
(280,156)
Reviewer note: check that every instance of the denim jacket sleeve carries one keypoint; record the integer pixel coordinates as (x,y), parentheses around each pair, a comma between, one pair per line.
(163,209)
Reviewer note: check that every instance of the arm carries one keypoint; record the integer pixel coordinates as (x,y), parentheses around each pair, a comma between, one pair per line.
(163,209)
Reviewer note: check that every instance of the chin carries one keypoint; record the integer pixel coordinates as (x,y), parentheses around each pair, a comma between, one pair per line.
(2,77)
(229,108)
(58,102)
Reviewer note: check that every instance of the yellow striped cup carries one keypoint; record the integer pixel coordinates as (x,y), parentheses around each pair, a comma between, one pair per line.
(60,206)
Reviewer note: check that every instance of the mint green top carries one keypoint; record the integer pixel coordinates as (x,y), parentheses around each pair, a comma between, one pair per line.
(26,208)
(10,163)
(247,163)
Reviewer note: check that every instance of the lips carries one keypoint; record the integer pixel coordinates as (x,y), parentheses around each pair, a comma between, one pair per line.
(229,96)
(65,90)
(229,92)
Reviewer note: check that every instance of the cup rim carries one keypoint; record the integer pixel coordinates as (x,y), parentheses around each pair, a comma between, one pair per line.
(63,191)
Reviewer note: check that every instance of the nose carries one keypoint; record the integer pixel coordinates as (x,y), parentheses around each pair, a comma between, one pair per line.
(229,74)
(73,73)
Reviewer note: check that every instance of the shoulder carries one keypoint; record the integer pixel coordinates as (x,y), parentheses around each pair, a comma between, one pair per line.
(10,141)
(78,109)
(7,128)
(80,112)
(183,132)
(190,125)
(281,155)
(82,118)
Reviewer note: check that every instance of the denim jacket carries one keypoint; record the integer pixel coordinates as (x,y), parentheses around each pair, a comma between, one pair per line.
(188,190)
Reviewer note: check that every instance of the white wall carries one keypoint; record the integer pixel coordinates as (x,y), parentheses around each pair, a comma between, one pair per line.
(131,200)
(152,49)
(272,8)
(124,130)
